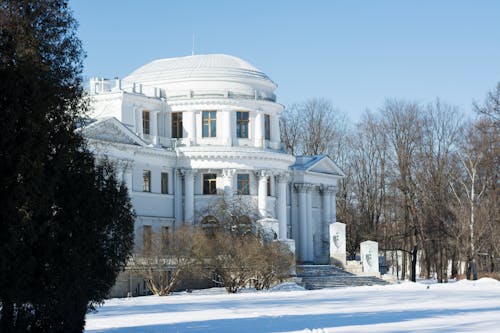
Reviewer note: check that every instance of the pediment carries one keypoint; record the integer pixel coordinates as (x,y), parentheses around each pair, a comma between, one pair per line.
(326,165)
(111,130)
(321,164)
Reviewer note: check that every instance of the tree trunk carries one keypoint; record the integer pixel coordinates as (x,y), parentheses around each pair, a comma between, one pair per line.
(414,264)
(403,266)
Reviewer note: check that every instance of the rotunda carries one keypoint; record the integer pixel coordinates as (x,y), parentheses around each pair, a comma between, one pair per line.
(185,131)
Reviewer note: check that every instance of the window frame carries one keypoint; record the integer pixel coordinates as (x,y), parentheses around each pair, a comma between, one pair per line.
(176,125)
(164,182)
(209,184)
(146,181)
(267,127)
(242,124)
(268,186)
(146,122)
(243,183)
(209,124)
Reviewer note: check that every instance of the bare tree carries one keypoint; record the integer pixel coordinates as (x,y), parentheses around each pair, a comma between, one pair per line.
(167,258)
(311,128)
(402,125)
(472,185)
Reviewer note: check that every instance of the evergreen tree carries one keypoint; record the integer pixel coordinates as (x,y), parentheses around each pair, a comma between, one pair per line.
(66,224)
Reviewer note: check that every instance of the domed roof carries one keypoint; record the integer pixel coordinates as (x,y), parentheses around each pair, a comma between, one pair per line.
(196,67)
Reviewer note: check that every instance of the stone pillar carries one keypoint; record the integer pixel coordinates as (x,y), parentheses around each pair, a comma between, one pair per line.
(188,195)
(258,130)
(228,127)
(179,216)
(333,203)
(326,216)
(369,257)
(227,175)
(189,123)
(309,228)
(337,244)
(262,193)
(154,128)
(303,225)
(283,180)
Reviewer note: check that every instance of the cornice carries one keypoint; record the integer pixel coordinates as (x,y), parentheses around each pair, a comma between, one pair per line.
(202,103)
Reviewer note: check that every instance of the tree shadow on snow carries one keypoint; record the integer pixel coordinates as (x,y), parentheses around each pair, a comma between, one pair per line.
(268,324)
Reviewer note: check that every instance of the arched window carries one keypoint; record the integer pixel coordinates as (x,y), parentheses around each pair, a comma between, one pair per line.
(210,225)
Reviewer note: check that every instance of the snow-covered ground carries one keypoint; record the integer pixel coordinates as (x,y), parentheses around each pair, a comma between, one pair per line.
(464,306)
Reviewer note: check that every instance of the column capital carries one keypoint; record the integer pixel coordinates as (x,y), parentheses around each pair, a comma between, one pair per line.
(302,188)
(228,173)
(284,177)
(264,173)
(328,190)
(186,172)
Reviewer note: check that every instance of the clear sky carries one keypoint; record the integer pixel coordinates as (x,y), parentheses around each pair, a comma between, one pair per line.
(354,53)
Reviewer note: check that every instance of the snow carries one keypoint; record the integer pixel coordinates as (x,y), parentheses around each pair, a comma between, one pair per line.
(464,306)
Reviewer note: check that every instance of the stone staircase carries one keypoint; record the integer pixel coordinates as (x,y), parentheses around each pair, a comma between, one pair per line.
(325,276)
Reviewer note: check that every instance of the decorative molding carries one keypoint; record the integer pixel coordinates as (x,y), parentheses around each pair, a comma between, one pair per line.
(225,103)
(302,187)
(329,190)
(228,173)
(284,177)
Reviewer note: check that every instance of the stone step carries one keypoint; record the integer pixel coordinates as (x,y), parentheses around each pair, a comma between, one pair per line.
(325,276)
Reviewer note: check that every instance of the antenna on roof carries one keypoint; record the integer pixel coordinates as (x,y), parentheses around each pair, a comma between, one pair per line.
(192,49)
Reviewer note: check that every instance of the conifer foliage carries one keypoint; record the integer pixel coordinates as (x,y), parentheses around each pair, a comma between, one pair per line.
(66,223)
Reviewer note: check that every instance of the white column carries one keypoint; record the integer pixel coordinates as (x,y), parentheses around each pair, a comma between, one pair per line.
(281,211)
(189,122)
(154,127)
(309,228)
(326,216)
(228,127)
(333,204)
(302,222)
(188,195)
(228,175)
(178,197)
(258,130)
(262,193)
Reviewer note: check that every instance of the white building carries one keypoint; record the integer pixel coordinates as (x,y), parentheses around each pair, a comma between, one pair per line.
(183,129)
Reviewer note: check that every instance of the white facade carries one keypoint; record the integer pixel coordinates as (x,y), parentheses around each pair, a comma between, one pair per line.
(174,123)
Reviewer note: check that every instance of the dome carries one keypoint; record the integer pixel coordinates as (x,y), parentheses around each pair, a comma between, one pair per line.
(167,73)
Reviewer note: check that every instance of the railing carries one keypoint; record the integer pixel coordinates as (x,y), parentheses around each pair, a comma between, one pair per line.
(101,85)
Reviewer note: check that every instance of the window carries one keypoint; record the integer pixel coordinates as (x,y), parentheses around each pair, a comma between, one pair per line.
(209,225)
(164,183)
(146,181)
(267,127)
(209,183)
(177,125)
(209,124)
(242,124)
(243,184)
(268,186)
(145,122)
(147,233)
(165,240)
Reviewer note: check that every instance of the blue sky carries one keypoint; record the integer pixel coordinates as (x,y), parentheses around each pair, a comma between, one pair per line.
(354,53)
